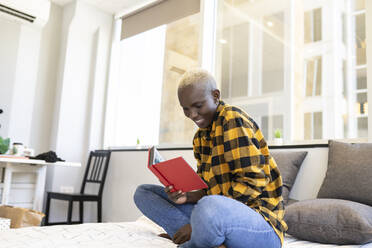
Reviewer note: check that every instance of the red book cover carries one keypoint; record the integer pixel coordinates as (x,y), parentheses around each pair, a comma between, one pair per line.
(176,172)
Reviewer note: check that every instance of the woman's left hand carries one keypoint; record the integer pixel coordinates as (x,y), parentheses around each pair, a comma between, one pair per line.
(183,234)
(177,197)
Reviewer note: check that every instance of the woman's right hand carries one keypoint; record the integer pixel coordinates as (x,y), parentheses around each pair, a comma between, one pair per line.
(177,197)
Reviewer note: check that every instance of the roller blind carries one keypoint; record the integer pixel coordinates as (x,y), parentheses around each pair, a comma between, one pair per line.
(160,13)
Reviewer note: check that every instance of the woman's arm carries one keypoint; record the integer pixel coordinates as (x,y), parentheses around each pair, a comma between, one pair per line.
(247,164)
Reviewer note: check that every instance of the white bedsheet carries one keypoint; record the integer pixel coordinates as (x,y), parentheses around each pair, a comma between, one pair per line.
(139,234)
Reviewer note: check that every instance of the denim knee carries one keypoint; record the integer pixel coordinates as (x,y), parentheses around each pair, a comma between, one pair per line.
(140,189)
(143,187)
(140,192)
(208,208)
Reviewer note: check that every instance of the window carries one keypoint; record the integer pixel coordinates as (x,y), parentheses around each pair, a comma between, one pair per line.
(144,103)
(273,53)
(239,64)
(133,89)
(234,42)
(359,66)
(360,38)
(362,127)
(362,79)
(298,66)
(275,122)
(181,53)
(313,25)
(361,90)
(361,103)
(313,126)
(313,76)
(305,59)
(359,4)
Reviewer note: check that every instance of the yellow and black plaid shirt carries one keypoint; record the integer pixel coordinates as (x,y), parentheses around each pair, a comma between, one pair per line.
(233,159)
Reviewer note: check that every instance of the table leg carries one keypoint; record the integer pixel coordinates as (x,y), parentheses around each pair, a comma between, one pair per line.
(40,188)
(7,184)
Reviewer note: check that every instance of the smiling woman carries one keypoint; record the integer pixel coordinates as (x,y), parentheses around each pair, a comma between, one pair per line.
(198,96)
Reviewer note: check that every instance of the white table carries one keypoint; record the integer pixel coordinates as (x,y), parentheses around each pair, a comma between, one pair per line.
(13,165)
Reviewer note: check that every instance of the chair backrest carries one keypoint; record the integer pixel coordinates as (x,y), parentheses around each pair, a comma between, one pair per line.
(96,170)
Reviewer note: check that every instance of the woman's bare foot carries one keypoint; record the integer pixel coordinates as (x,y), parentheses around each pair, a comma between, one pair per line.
(165,235)
(221,246)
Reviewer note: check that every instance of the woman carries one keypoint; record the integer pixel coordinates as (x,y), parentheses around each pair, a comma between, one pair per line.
(243,205)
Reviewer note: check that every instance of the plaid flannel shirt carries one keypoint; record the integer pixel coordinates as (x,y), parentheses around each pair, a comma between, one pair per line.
(233,159)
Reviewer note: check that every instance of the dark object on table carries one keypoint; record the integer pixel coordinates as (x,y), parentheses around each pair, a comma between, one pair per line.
(95,173)
(48,157)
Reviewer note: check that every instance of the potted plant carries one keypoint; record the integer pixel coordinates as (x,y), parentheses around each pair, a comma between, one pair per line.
(278,137)
(4,145)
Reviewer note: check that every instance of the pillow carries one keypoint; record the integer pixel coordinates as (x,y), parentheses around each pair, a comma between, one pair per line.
(349,172)
(288,163)
(330,221)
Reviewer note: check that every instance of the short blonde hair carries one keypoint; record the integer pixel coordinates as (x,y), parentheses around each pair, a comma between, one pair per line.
(196,76)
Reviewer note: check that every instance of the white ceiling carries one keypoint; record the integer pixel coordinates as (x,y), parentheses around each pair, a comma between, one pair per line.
(112,6)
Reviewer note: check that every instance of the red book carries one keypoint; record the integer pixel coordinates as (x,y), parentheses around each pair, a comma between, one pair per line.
(176,172)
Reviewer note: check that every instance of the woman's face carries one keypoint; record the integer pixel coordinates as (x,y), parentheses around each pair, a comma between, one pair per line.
(199,103)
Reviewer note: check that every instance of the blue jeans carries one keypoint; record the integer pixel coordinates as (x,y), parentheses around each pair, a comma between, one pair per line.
(215,220)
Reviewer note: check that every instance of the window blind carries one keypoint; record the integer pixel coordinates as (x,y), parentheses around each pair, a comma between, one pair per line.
(157,14)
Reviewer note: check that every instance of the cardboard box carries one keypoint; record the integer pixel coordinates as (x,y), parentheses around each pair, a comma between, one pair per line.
(21,217)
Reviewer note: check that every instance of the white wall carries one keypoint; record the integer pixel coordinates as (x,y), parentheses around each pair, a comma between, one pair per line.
(20,49)
(86,40)
(20,121)
(46,82)
(53,87)
(10,32)
(81,96)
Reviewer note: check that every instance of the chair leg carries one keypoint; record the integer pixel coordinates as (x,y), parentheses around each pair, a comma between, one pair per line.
(81,211)
(47,208)
(69,213)
(99,212)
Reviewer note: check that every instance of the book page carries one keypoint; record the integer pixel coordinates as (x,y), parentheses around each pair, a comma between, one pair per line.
(157,157)
(154,156)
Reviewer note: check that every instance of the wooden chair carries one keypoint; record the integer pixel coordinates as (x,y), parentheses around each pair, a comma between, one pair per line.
(95,173)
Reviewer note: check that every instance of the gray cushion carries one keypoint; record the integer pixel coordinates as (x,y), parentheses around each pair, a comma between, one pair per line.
(330,221)
(288,164)
(349,172)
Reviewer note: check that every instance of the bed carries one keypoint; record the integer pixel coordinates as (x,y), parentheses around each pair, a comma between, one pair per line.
(138,234)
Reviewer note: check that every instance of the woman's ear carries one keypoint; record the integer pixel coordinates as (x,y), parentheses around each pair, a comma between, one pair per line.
(216,95)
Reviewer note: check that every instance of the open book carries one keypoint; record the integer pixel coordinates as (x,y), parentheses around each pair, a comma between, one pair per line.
(176,172)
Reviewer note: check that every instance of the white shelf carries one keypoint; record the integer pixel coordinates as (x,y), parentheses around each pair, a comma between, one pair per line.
(20,186)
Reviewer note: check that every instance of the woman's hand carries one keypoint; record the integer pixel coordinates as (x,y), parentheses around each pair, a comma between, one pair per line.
(177,197)
(182,235)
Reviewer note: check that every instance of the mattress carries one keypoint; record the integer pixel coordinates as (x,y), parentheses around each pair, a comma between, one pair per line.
(138,234)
